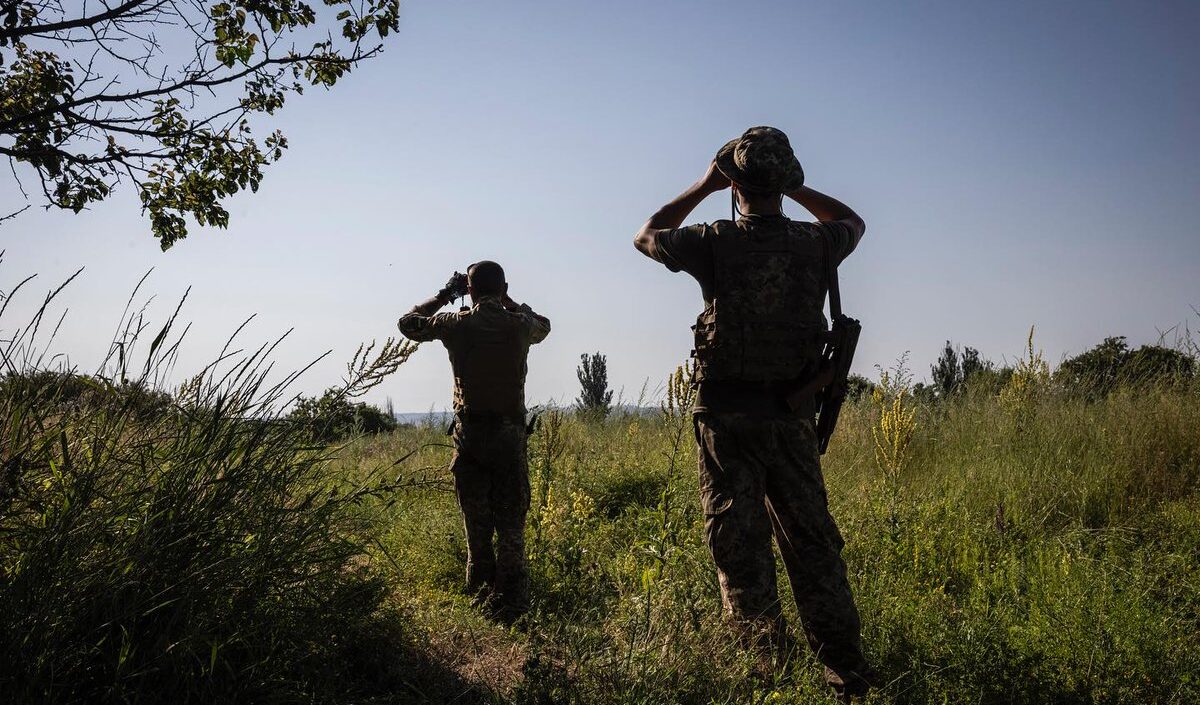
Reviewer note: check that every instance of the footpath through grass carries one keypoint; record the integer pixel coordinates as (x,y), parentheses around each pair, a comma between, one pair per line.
(1028,547)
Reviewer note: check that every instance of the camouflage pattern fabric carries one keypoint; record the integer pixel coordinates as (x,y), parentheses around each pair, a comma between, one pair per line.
(760,475)
(761,159)
(488,347)
(491,478)
(768,286)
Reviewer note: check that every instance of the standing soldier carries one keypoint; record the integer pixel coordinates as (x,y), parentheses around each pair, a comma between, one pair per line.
(488,346)
(764,281)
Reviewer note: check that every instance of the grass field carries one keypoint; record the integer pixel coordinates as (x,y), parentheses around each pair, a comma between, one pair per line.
(1023,548)
(1012,544)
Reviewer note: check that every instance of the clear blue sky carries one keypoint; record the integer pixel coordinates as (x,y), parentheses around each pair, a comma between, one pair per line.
(1017,163)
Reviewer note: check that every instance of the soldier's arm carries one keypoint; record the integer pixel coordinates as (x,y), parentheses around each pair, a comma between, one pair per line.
(430,306)
(418,327)
(827,208)
(538,326)
(420,324)
(673,214)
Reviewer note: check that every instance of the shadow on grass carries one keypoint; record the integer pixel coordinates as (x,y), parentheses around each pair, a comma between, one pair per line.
(391,664)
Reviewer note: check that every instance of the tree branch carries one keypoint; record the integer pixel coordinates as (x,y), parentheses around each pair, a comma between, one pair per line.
(111,14)
(15,213)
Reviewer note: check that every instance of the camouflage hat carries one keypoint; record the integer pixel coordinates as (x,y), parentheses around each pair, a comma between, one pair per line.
(761,159)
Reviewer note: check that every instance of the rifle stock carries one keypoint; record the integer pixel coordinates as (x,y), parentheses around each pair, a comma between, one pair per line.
(830,399)
(828,385)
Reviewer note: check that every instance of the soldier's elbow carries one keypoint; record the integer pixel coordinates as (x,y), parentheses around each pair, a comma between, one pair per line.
(860,226)
(643,240)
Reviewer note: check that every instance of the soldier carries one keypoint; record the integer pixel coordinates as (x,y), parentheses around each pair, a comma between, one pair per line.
(763,278)
(488,346)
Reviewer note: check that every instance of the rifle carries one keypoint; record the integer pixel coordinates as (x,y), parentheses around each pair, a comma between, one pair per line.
(828,386)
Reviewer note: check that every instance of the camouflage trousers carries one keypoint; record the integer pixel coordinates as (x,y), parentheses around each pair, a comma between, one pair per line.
(761,475)
(491,479)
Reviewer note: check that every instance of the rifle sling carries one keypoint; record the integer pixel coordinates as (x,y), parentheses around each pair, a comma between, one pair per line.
(835,294)
(825,373)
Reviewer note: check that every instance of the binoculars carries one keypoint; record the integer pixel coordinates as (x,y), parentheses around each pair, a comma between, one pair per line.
(456,288)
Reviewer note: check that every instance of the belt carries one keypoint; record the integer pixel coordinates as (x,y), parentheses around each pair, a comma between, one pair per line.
(490,417)
(766,398)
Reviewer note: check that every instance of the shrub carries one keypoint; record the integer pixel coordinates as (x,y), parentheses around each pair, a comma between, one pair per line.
(333,417)
(858,386)
(1100,370)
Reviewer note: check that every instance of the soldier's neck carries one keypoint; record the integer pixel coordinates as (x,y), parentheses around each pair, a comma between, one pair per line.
(762,210)
(765,207)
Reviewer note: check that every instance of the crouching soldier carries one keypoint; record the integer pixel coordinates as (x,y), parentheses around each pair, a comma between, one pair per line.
(764,279)
(488,345)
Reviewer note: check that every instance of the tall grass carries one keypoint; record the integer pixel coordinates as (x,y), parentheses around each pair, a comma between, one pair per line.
(186,548)
(1022,544)
(1040,547)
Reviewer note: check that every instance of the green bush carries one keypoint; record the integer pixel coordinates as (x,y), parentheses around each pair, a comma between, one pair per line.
(333,417)
(1111,364)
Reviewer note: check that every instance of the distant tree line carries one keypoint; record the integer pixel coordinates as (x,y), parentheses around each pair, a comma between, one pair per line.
(1094,373)
(1112,364)
(64,390)
(332,417)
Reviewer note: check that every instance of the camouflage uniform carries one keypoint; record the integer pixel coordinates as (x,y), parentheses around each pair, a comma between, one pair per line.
(491,478)
(488,346)
(760,475)
(764,284)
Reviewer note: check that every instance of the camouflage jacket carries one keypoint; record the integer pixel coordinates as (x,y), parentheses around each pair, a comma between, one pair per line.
(488,346)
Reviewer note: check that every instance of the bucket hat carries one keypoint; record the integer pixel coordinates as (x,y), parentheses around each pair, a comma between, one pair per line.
(761,159)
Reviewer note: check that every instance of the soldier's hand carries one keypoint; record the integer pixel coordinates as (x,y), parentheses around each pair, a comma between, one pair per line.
(714,180)
(455,288)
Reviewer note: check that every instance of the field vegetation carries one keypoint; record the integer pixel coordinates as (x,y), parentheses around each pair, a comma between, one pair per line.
(1019,536)
(1029,544)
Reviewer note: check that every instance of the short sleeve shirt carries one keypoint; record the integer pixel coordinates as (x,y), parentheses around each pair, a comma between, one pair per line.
(686,250)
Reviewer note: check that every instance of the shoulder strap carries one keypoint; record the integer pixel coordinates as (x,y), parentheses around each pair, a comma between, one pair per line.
(835,295)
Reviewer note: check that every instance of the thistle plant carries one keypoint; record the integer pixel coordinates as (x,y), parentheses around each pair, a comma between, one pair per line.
(369,366)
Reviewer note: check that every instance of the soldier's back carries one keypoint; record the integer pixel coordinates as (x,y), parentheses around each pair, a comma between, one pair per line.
(488,354)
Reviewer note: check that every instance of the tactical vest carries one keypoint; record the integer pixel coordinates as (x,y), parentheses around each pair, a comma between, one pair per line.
(488,356)
(764,321)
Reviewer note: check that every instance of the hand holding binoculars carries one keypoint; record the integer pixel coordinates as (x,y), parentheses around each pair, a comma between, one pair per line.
(456,288)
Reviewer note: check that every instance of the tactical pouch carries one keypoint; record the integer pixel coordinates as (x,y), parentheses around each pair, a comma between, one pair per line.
(753,351)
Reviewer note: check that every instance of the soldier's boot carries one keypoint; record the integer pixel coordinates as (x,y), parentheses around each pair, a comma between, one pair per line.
(511,616)
(852,683)
(768,639)
(510,607)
